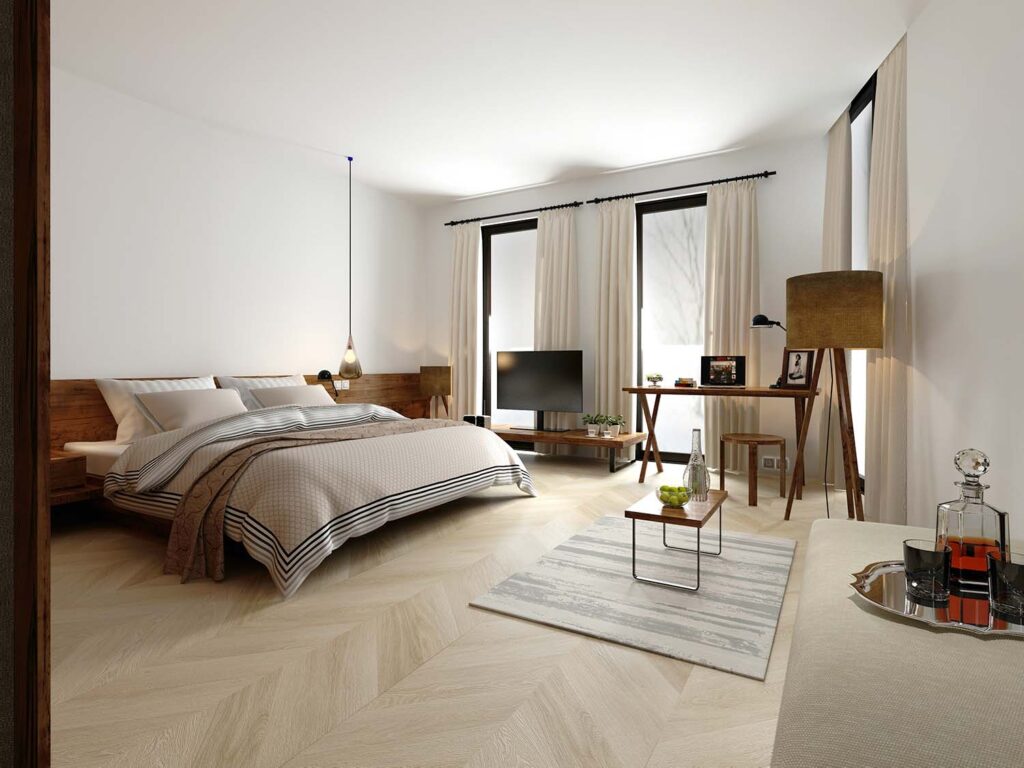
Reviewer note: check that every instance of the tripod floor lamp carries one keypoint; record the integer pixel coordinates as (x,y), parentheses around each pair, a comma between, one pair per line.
(834,312)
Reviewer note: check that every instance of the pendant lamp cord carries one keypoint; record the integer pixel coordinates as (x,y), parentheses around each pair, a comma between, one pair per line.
(350,247)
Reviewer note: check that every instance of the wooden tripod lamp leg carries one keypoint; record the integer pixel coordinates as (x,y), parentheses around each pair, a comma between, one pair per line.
(855,504)
(798,466)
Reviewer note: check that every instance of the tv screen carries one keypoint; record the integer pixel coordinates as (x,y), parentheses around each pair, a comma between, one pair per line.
(541,381)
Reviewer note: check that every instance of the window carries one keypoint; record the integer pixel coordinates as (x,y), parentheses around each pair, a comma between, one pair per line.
(509,269)
(670,298)
(861,111)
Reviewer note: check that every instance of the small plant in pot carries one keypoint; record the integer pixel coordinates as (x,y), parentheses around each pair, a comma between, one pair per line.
(655,379)
(614,425)
(591,423)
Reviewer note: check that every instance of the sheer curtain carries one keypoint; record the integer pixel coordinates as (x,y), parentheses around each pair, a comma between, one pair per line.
(731,298)
(836,254)
(616,320)
(888,377)
(556,311)
(464,349)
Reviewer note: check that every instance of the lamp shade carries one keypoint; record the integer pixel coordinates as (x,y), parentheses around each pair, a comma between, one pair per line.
(435,380)
(838,310)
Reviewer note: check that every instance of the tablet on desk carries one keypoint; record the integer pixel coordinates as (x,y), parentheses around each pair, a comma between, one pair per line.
(723,371)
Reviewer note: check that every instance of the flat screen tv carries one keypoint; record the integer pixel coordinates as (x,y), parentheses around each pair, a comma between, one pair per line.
(541,381)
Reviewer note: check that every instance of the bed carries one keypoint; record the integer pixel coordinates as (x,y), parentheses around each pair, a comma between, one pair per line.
(312,478)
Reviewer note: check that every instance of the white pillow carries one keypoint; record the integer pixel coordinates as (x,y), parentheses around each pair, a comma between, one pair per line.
(120,397)
(312,394)
(184,408)
(244,385)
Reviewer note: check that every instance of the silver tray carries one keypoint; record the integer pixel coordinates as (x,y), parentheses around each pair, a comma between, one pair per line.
(884,585)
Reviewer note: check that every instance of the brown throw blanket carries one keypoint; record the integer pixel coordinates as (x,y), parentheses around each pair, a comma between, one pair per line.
(196,546)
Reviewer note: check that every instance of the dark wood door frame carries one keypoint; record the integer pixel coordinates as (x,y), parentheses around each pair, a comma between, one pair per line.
(31,381)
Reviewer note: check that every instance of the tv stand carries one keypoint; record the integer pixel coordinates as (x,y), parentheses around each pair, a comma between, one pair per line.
(573,437)
(540,426)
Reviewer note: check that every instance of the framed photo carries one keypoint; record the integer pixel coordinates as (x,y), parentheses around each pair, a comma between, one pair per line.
(723,371)
(796,368)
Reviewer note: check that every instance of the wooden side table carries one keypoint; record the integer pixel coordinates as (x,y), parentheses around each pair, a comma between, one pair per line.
(752,441)
(694,515)
(69,482)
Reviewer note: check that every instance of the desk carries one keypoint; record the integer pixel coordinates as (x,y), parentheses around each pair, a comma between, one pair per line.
(798,396)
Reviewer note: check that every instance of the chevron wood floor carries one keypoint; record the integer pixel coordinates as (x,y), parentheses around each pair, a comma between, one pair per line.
(378,660)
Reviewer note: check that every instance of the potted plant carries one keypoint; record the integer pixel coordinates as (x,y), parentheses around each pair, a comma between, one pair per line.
(655,379)
(590,422)
(615,425)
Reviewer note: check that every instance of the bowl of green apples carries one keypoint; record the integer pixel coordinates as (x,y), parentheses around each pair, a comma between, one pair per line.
(673,495)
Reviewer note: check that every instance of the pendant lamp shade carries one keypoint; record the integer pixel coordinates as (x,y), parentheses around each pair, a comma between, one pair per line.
(350,367)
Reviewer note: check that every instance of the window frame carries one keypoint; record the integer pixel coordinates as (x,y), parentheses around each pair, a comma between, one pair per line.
(677,203)
(865,96)
(486,233)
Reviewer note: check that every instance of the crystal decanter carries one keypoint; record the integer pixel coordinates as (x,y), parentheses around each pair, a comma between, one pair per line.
(971,529)
(697,478)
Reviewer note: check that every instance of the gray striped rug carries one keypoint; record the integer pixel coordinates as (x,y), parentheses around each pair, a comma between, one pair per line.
(585,585)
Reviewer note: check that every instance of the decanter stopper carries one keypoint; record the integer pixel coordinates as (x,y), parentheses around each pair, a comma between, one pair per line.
(972,464)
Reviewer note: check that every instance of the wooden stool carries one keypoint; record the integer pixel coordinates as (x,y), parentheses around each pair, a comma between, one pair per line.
(752,441)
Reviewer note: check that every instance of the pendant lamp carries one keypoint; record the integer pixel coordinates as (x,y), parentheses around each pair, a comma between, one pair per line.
(350,367)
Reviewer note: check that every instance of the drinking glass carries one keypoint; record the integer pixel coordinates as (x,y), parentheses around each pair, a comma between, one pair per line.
(927,566)
(1006,588)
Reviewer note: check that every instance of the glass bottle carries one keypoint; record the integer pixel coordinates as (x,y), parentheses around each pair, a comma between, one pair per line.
(697,478)
(971,529)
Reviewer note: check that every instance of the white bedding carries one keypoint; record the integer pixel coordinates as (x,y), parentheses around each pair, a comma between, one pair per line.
(99,457)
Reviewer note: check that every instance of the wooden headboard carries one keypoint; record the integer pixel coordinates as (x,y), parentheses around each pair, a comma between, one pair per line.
(78,411)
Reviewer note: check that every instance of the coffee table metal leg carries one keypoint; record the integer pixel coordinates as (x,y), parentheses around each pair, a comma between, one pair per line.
(659,582)
(708,552)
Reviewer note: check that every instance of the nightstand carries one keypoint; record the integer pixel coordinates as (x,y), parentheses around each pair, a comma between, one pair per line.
(69,482)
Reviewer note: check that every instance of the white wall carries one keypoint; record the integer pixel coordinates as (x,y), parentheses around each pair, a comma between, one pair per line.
(966,232)
(182,248)
(790,209)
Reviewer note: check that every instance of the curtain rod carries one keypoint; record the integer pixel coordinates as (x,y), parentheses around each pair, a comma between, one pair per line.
(574,204)
(761,175)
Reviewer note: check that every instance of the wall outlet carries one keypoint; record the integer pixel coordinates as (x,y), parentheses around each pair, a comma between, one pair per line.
(768,462)
(344,384)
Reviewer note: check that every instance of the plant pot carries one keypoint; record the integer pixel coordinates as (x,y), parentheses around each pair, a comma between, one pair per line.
(613,430)
(591,430)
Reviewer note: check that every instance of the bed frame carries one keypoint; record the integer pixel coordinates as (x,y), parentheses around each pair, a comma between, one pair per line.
(78,411)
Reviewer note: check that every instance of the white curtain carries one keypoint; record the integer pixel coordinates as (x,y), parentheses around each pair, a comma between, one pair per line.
(885,476)
(616,324)
(556,312)
(731,298)
(836,255)
(464,350)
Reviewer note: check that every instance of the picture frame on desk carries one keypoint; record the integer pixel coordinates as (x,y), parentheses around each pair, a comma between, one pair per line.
(797,365)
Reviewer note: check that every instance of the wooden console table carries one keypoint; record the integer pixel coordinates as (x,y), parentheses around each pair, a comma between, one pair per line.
(573,437)
(798,396)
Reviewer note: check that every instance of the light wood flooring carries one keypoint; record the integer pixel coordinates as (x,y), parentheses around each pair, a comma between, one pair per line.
(378,660)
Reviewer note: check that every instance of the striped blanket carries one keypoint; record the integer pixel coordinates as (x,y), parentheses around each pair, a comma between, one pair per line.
(291,508)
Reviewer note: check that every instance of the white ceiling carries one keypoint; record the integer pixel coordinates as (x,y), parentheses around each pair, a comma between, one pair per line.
(451,98)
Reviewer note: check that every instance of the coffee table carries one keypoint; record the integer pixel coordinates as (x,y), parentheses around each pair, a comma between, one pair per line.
(694,515)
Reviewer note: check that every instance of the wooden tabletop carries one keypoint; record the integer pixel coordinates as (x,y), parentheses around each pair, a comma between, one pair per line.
(721,391)
(693,515)
(571,437)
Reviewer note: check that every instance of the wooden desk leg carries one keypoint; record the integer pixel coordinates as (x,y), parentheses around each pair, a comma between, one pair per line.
(651,448)
(805,427)
(798,479)
(721,464)
(752,475)
(782,469)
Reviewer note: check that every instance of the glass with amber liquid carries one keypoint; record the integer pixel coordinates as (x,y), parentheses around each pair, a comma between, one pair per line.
(972,530)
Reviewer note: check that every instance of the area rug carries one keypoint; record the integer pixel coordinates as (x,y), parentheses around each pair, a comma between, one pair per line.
(585,585)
